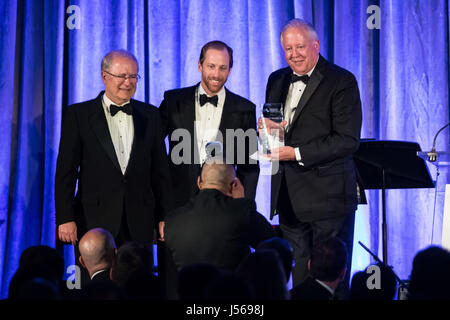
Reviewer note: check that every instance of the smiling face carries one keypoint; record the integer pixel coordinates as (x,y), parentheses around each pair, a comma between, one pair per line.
(301,50)
(215,70)
(117,89)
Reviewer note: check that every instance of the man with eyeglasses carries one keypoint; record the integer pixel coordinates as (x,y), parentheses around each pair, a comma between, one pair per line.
(112,148)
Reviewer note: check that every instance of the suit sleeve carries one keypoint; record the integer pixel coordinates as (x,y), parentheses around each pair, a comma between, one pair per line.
(346,118)
(164,116)
(248,173)
(259,228)
(161,182)
(67,165)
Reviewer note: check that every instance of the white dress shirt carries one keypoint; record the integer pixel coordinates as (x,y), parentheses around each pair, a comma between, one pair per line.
(121,129)
(207,120)
(294,95)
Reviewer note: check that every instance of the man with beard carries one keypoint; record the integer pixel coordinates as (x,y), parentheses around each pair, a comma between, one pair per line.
(203,116)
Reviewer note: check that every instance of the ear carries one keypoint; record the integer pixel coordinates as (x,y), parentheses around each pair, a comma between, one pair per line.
(309,264)
(342,274)
(199,183)
(317,45)
(82,262)
(200,67)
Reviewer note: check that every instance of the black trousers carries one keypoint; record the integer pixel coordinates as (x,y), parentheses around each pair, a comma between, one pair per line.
(303,235)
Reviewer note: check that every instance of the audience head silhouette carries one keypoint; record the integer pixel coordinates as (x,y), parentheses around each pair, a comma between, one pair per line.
(430,277)
(283,249)
(132,257)
(328,261)
(264,273)
(39,275)
(363,288)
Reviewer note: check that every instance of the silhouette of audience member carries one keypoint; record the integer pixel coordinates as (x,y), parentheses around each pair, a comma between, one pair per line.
(34,283)
(103,289)
(229,287)
(284,250)
(430,275)
(327,267)
(194,279)
(97,252)
(363,288)
(131,270)
(39,275)
(264,274)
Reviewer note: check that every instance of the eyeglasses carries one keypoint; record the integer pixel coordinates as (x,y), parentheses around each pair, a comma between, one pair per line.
(123,77)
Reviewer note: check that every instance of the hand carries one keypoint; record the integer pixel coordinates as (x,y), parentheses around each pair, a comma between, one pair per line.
(237,189)
(67,232)
(285,153)
(271,125)
(161,225)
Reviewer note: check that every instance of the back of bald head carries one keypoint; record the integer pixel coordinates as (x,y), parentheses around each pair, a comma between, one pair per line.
(216,172)
(96,246)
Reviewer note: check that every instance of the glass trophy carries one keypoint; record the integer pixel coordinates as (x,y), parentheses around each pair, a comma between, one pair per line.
(272,135)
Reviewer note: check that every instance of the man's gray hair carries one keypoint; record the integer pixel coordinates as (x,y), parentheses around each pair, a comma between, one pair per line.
(300,24)
(107,60)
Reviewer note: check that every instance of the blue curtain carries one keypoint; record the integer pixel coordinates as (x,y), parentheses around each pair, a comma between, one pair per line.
(50,53)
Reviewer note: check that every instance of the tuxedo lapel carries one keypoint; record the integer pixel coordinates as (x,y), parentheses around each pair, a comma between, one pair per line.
(186,113)
(140,127)
(99,125)
(228,119)
(313,83)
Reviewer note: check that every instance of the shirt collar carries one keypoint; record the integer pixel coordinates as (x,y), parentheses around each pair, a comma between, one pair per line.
(325,286)
(220,94)
(310,71)
(108,101)
(97,272)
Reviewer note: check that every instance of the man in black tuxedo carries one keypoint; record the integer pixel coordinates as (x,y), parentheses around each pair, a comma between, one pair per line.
(218,225)
(314,189)
(112,148)
(201,115)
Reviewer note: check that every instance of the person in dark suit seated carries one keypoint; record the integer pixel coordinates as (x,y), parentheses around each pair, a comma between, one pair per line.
(327,268)
(97,253)
(218,225)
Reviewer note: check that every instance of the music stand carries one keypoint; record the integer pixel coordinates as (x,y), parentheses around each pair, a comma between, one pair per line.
(385,165)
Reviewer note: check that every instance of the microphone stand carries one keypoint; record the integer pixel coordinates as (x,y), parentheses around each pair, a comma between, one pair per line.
(432,155)
(401,282)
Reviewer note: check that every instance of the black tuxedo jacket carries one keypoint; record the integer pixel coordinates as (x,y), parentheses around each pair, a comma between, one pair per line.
(215,229)
(310,289)
(178,112)
(326,127)
(87,157)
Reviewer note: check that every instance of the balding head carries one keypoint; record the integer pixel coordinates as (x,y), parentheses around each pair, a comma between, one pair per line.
(97,250)
(216,174)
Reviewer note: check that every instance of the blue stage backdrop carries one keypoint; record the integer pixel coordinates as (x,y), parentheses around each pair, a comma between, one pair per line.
(50,53)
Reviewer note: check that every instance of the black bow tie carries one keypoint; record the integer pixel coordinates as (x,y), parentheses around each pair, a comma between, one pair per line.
(125,108)
(204,99)
(295,78)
